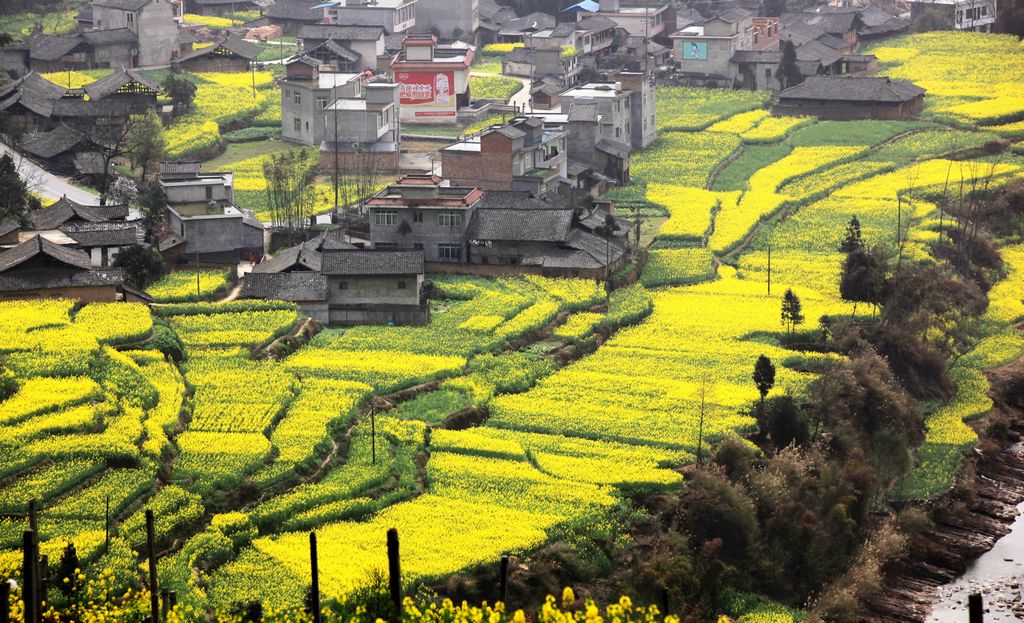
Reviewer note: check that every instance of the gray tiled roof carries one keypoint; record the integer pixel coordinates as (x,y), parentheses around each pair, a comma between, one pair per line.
(295,10)
(241,47)
(583,110)
(847,89)
(106,86)
(596,23)
(124,5)
(613,147)
(339,32)
(188,168)
(42,278)
(37,245)
(733,15)
(526,225)
(106,234)
(52,47)
(90,163)
(51,144)
(298,286)
(372,262)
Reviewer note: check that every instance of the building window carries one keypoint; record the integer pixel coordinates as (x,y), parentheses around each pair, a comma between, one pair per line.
(343,285)
(418,246)
(401,285)
(307,126)
(130,17)
(767,73)
(618,132)
(385,217)
(297,124)
(417,216)
(448,252)
(297,97)
(449,219)
(321,103)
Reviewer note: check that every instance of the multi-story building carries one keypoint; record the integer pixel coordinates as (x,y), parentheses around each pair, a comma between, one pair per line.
(363,134)
(705,50)
(354,48)
(451,19)
(969,15)
(306,91)
(394,16)
(434,79)
(421,212)
(643,107)
(644,21)
(614,105)
(201,210)
(520,155)
(153,22)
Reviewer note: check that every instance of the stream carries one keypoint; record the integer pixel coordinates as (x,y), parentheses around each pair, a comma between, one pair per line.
(998,575)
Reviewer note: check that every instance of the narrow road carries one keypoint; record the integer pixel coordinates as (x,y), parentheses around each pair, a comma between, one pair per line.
(45,183)
(522,97)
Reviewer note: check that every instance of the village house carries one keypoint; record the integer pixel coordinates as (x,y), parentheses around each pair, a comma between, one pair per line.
(964,15)
(153,22)
(201,211)
(292,15)
(230,54)
(595,161)
(450,19)
(643,20)
(352,49)
(100,231)
(627,107)
(309,86)
(419,212)
(367,286)
(516,30)
(38,268)
(462,229)
(704,50)
(832,97)
(395,16)
(492,17)
(560,65)
(520,155)
(434,79)
(363,134)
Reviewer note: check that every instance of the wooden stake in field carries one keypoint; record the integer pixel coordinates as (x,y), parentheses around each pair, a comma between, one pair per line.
(5,602)
(503,581)
(394,575)
(315,574)
(975,610)
(154,590)
(29,589)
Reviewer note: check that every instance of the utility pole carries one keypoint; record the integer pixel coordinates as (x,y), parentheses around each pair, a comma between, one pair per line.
(334,107)
(769,270)
(700,429)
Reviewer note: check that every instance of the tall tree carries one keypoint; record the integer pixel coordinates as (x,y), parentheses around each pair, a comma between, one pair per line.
(792,314)
(789,73)
(1010,19)
(291,188)
(182,93)
(15,198)
(152,205)
(141,264)
(863,277)
(853,240)
(147,141)
(764,378)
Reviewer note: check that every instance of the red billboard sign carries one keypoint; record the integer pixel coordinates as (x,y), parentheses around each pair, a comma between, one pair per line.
(427,89)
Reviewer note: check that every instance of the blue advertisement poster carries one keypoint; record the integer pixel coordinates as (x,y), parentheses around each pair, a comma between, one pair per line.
(695,50)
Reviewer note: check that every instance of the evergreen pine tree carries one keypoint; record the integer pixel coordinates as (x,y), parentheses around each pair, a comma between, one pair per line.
(792,314)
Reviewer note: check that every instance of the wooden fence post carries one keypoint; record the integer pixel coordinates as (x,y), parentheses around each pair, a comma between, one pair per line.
(394,574)
(975,609)
(165,599)
(5,602)
(106,529)
(315,574)
(44,580)
(503,582)
(154,590)
(29,593)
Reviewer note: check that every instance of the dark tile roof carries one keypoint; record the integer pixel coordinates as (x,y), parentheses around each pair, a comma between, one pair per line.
(43,278)
(85,15)
(52,47)
(596,246)
(340,32)
(340,50)
(113,36)
(80,107)
(733,15)
(299,286)
(519,55)
(104,87)
(596,23)
(107,212)
(106,234)
(187,168)
(583,110)
(522,225)
(756,56)
(299,10)
(816,51)
(300,257)
(848,89)
(240,47)
(124,5)
(53,143)
(565,29)
(613,147)
(37,245)
(532,22)
(372,262)
(64,210)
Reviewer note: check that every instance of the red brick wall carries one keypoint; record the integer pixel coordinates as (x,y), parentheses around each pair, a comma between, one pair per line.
(490,170)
